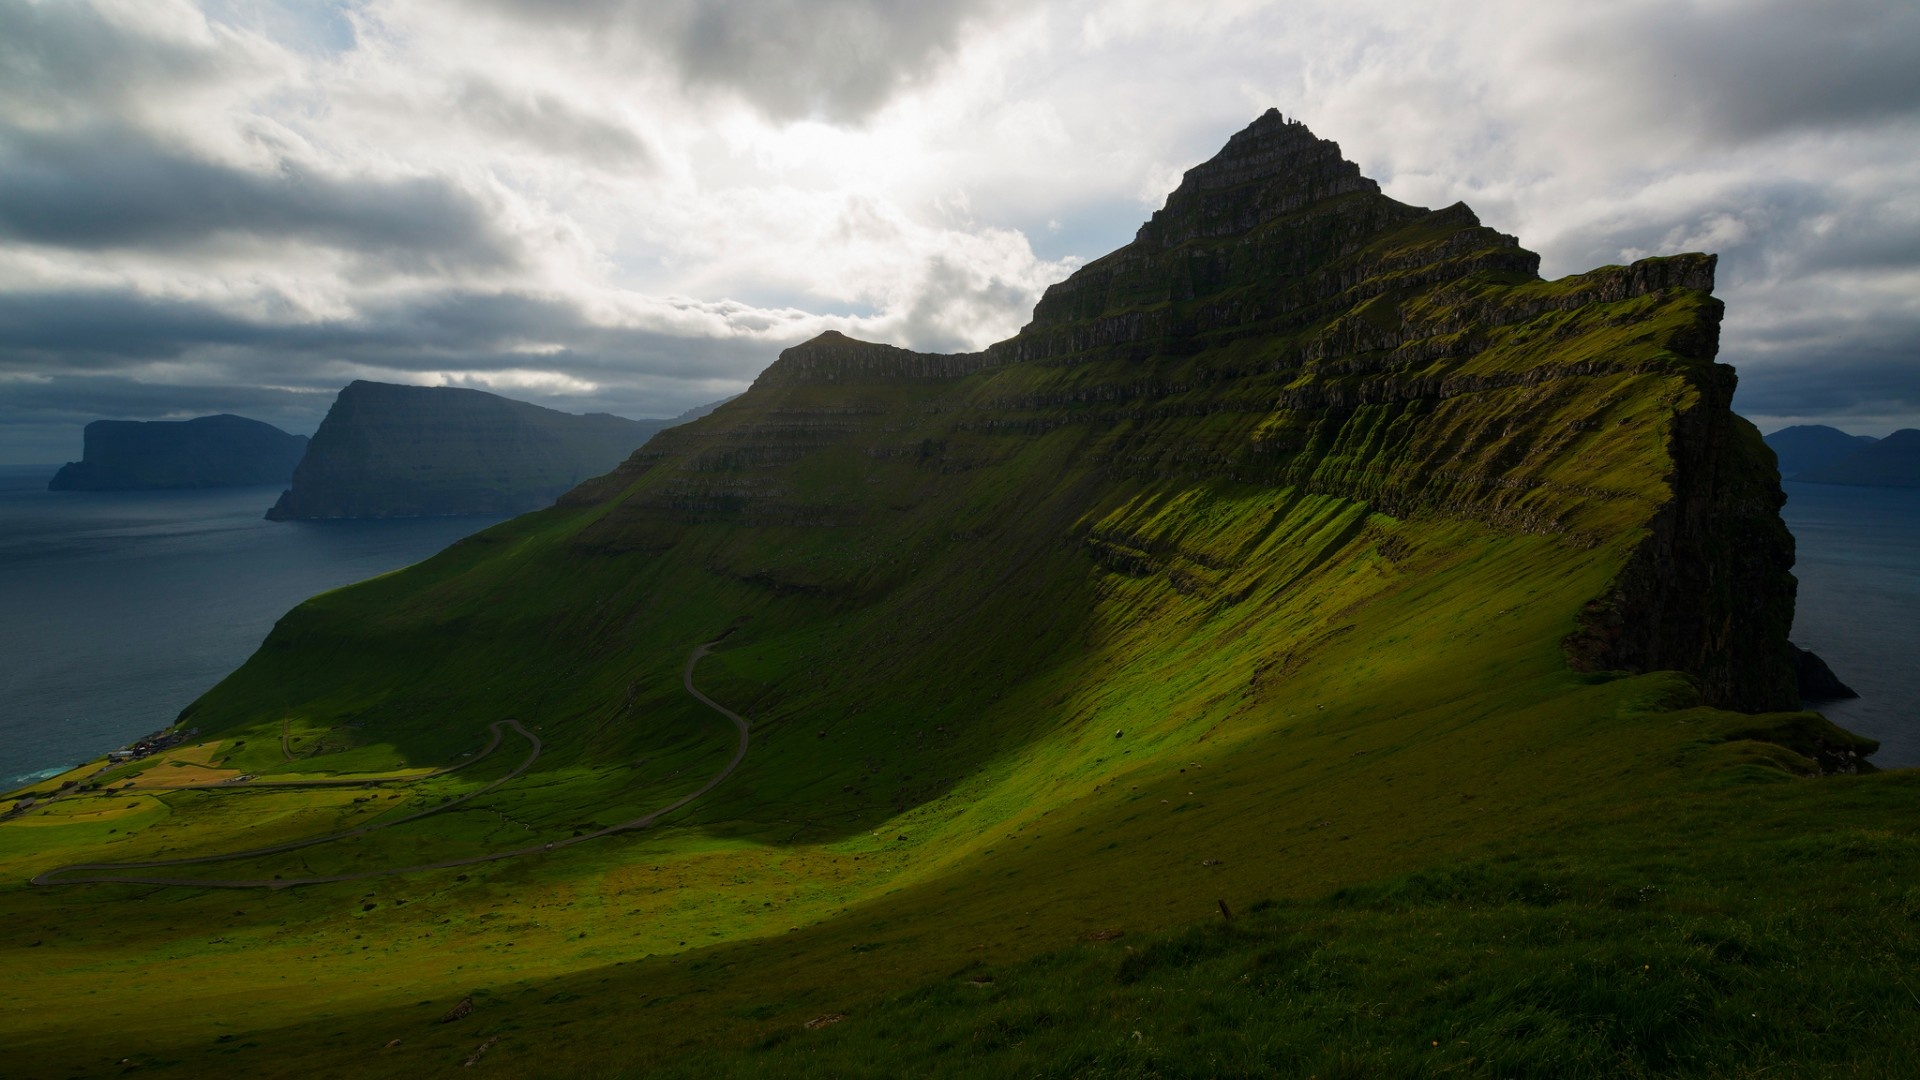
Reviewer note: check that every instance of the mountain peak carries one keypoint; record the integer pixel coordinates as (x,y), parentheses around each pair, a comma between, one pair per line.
(1276,230)
(1271,167)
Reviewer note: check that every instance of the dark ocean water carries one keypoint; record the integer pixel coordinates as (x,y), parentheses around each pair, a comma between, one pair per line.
(117,609)
(1859,605)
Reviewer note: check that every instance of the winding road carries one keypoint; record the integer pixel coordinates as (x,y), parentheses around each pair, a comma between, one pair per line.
(84,873)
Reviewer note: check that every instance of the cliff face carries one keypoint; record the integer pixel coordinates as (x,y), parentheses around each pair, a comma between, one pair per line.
(1708,591)
(412,451)
(1283,326)
(209,451)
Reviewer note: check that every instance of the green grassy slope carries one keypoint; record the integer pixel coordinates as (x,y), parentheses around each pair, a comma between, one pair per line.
(1309,556)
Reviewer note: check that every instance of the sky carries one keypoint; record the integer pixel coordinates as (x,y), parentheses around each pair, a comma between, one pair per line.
(631,206)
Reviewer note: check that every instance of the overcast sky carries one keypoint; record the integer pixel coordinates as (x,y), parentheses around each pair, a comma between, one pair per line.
(603,205)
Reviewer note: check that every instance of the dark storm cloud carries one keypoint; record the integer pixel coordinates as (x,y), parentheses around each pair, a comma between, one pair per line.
(59,61)
(1858,387)
(489,331)
(78,399)
(104,329)
(102,187)
(108,330)
(70,357)
(1764,68)
(42,420)
(841,59)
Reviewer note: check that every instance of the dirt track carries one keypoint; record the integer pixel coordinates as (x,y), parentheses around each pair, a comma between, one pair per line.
(83,873)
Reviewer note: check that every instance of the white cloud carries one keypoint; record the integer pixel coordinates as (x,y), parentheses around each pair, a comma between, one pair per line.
(634,205)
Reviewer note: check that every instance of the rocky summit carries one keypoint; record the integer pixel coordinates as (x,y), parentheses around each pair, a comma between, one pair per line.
(1314,645)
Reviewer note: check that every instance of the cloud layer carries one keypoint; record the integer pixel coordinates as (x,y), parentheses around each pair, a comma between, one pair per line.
(239,205)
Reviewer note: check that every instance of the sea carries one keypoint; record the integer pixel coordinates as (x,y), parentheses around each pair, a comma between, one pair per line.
(1859,606)
(118,609)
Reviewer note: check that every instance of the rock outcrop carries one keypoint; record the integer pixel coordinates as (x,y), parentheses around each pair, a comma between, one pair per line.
(415,451)
(1816,680)
(205,452)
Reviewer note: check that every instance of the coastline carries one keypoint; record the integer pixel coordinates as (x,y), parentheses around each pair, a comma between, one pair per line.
(125,607)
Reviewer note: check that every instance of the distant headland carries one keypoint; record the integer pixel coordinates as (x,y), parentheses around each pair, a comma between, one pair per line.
(205,452)
(386,450)
(1818,454)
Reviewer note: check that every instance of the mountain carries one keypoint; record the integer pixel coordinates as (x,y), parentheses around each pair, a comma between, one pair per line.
(1812,446)
(1281,326)
(1314,645)
(205,452)
(417,451)
(1891,462)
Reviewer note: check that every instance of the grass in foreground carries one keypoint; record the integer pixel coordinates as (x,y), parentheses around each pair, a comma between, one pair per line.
(1740,926)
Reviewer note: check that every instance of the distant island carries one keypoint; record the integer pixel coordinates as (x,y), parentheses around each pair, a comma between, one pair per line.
(1818,454)
(386,450)
(1813,446)
(205,452)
